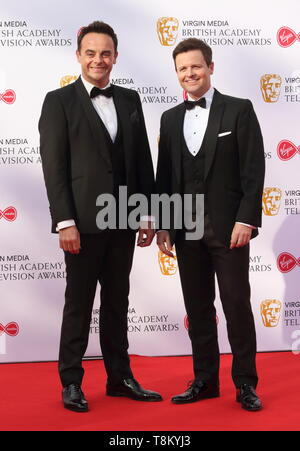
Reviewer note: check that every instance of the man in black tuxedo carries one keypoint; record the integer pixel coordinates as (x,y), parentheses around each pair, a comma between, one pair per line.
(94,140)
(212,145)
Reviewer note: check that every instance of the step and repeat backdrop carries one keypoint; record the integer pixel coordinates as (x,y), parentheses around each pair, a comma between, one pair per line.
(257,56)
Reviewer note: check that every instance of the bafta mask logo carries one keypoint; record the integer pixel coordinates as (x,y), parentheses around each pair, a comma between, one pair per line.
(167,30)
(168,265)
(271,201)
(270,85)
(270,312)
(67,80)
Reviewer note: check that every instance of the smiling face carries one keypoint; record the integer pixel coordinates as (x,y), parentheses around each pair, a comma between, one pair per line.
(193,73)
(97,56)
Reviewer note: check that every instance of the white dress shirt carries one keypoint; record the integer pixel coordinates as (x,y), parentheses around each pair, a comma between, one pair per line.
(106,109)
(195,123)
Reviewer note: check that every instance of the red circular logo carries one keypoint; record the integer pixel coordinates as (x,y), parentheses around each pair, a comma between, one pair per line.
(10,214)
(287,150)
(12,329)
(186,322)
(286,36)
(9,96)
(286,262)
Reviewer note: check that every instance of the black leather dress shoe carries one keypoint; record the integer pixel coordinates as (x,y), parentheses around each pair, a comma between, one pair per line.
(247,396)
(197,390)
(73,399)
(130,388)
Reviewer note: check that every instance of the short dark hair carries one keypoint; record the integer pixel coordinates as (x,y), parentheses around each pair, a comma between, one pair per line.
(193,44)
(97,27)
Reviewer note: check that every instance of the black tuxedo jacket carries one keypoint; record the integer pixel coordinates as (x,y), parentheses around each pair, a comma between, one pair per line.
(234,163)
(75,155)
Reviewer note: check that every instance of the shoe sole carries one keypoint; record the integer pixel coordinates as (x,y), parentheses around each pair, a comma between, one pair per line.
(216,395)
(117,394)
(254,409)
(75,409)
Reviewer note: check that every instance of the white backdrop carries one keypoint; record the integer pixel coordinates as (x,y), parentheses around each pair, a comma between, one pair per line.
(37,48)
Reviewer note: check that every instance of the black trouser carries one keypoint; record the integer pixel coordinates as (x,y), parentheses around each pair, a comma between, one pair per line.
(198,263)
(105,258)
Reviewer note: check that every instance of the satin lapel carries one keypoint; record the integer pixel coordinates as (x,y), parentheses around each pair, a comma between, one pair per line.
(212,130)
(177,133)
(123,111)
(97,126)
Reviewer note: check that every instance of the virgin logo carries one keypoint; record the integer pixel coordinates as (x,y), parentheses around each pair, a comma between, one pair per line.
(9,96)
(10,214)
(287,150)
(286,36)
(186,322)
(286,262)
(11,329)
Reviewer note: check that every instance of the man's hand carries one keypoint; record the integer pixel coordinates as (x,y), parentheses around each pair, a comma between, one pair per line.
(240,236)
(69,240)
(164,242)
(146,234)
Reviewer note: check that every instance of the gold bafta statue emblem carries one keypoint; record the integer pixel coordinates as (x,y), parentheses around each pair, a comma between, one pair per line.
(270,85)
(67,80)
(168,265)
(271,201)
(167,30)
(270,312)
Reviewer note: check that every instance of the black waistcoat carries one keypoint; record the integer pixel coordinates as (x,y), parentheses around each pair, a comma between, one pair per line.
(193,171)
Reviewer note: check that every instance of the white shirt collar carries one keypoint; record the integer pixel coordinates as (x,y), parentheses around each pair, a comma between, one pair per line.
(89,86)
(208,96)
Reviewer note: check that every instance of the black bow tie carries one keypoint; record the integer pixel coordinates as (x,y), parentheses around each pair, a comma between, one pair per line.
(189,104)
(107,92)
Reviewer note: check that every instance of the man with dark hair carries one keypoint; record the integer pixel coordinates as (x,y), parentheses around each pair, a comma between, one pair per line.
(97,27)
(212,144)
(94,140)
(188,45)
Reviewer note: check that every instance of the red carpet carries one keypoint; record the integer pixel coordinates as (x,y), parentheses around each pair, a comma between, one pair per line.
(30,398)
